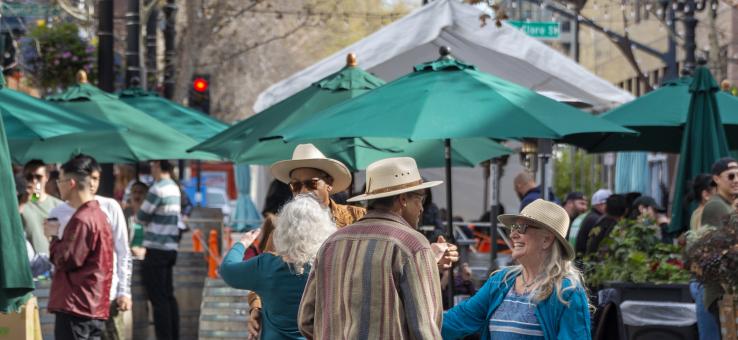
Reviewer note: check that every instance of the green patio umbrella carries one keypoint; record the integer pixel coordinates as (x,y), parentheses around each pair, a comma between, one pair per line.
(28,119)
(660,117)
(16,282)
(242,142)
(703,142)
(146,139)
(188,121)
(448,99)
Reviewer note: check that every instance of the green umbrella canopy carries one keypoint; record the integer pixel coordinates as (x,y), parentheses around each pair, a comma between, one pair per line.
(449,99)
(660,116)
(243,142)
(146,139)
(27,118)
(703,142)
(190,122)
(16,282)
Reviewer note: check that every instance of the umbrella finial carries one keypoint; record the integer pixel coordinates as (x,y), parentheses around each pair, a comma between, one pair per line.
(445,52)
(351,60)
(701,61)
(81,77)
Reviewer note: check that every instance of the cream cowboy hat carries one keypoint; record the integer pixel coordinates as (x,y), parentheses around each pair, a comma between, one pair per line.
(308,156)
(547,215)
(390,177)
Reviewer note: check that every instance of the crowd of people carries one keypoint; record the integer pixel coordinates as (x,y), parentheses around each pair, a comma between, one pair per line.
(86,242)
(321,268)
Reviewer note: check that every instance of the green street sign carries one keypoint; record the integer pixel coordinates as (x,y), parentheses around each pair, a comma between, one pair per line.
(549,30)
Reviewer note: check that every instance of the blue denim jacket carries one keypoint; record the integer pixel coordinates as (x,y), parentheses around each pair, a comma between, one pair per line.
(558,320)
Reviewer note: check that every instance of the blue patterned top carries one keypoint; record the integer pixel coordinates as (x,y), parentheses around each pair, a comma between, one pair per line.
(515,319)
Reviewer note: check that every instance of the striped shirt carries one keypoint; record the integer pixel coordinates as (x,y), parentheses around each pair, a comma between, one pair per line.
(515,319)
(375,279)
(159,214)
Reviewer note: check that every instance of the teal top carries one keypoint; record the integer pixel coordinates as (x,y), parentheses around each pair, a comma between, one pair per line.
(276,283)
(558,321)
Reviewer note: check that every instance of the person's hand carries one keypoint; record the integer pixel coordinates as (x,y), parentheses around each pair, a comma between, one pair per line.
(466,273)
(446,254)
(248,238)
(124,303)
(254,324)
(51,227)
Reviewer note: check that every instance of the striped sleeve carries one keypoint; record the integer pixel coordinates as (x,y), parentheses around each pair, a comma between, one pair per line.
(421,291)
(306,313)
(146,213)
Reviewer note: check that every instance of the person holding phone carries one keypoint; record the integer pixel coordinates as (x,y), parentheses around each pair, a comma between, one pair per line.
(279,277)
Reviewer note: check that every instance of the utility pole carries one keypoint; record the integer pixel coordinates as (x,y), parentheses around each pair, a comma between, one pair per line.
(170,15)
(133,41)
(106,76)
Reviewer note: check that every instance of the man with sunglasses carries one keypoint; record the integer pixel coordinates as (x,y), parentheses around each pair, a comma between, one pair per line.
(725,178)
(39,205)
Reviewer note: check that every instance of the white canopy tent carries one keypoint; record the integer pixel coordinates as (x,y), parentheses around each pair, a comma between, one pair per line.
(506,52)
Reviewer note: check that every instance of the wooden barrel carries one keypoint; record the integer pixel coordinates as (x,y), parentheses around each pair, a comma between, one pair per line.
(189,277)
(224,313)
(143,324)
(47,319)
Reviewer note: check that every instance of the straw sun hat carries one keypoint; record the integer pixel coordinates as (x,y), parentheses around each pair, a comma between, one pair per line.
(308,156)
(546,215)
(392,176)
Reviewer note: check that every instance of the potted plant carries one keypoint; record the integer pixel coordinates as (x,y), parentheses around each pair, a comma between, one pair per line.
(712,254)
(633,260)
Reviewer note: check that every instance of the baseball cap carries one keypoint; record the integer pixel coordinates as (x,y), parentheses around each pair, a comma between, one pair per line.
(573,196)
(600,196)
(648,201)
(723,164)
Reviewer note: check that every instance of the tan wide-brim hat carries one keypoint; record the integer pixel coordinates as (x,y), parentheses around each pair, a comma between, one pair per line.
(390,177)
(547,215)
(308,156)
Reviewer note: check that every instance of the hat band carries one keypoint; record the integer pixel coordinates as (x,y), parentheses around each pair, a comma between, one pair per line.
(395,187)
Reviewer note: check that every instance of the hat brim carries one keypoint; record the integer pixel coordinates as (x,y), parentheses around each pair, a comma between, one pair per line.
(365,197)
(510,219)
(340,173)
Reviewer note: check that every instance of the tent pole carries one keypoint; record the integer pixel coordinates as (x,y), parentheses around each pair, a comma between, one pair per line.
(449,218)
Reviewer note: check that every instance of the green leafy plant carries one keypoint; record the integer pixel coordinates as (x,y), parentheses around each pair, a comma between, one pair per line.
(634,253)
(60,53)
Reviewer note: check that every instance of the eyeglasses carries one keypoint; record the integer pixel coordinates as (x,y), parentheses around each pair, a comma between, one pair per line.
(520,228)
(309,184)
(732,176)
(31,177)
(62,181)
(422,196)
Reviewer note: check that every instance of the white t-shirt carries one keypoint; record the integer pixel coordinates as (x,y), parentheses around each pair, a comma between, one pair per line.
(121,285)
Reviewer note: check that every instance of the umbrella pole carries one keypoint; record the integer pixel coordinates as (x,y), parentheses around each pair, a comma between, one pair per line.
(493,212)
(449,218)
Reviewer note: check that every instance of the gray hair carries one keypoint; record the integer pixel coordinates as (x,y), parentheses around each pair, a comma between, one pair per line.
(303,225)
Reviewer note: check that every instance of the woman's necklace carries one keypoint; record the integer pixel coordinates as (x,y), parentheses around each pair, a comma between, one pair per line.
(526,284)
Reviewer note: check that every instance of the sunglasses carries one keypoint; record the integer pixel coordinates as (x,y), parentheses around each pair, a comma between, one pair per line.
(520,228)
(31,177)
(732,176)
(309,184)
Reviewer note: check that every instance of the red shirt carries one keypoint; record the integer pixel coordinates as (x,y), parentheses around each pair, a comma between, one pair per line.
(83,260)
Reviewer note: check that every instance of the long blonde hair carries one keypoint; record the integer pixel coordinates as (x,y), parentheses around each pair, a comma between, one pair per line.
(554,271)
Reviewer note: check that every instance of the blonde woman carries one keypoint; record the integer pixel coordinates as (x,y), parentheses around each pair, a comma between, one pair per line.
(279,277)
(541,298)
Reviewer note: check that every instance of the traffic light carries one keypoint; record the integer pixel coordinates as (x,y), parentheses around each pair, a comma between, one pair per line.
(199,98)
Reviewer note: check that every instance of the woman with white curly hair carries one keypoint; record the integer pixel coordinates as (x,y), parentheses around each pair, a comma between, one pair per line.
(279,277)
(541,298)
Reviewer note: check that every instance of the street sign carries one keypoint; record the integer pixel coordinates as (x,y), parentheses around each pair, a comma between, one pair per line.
(549,30)
(29,9)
